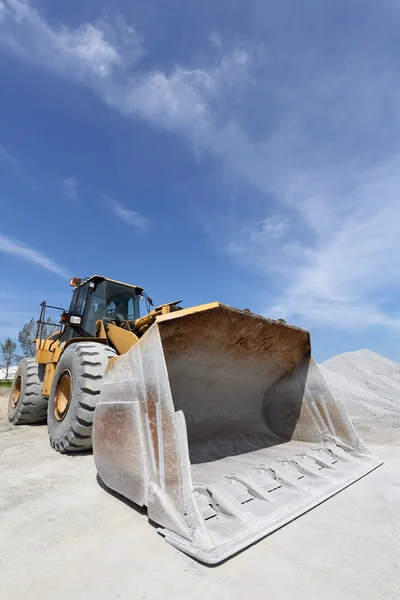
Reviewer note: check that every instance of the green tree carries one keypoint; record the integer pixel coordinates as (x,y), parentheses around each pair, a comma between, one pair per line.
(26,337)
(8,354)
(50,328)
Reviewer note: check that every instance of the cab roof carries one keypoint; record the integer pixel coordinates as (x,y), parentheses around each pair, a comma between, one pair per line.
(101,277)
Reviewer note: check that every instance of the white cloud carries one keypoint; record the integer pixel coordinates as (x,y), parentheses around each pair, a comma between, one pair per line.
(71,188)
(11,319)
(268,229)
(90,53)
(338,263)
(333,254)
(256,244)
(7,158)
(172,101)
(16,248)
(5,155)
(125,214)
(102,57)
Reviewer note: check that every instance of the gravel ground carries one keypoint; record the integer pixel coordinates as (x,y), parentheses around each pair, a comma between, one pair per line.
(62,536)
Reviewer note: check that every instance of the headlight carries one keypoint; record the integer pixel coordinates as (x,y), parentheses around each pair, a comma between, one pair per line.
(75,320)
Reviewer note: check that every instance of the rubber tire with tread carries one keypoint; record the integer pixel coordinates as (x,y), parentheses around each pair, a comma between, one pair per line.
(31,407)
(87,363)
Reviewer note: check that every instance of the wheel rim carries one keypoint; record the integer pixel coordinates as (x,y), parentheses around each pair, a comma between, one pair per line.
(17,391)
(62,398)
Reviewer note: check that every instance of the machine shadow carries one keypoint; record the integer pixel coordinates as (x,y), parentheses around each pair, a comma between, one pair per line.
(139,509)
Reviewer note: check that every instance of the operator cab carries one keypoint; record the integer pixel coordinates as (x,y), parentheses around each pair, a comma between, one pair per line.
(101,298)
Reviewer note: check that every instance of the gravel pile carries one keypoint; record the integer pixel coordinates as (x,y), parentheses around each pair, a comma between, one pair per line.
(368,383)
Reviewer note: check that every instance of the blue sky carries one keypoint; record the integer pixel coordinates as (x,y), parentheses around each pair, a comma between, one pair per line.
(246,152)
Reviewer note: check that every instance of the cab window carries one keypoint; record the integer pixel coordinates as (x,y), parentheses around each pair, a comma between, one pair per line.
(78,302)
(96,307)
(122,302)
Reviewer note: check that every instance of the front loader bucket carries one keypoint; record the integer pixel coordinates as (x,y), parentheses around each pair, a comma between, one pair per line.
(219,421)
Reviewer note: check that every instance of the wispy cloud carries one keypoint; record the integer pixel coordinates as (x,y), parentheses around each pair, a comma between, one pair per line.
(18,305)
(90,53)
(104,58)
(338,263)
(70,185)
(11,320)
(126,214)
(20,250)
(9,159)
(323,230)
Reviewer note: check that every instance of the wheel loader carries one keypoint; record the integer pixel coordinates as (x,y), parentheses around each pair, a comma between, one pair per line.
(216,419)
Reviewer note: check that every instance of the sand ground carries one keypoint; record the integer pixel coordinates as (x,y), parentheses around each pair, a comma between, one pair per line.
(63,536)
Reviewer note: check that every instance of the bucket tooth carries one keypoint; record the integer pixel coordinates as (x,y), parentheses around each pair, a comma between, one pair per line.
(323,463)
(304,467)
(253,488)
(226,503)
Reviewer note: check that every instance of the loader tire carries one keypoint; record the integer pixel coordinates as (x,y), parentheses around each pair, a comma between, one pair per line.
(26,404)
(74,394)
